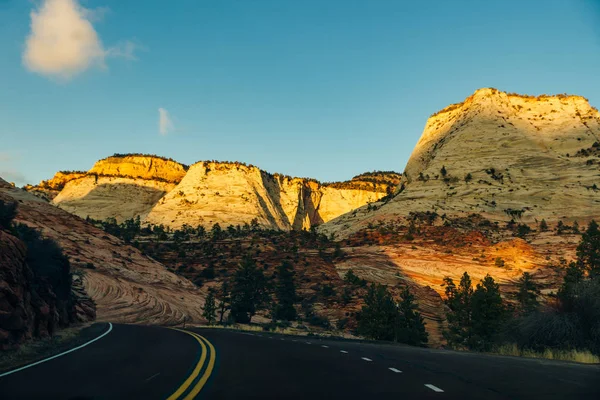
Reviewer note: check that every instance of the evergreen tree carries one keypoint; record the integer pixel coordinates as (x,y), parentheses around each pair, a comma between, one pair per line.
(285,292)
(487,314)
(543,226)
(527,295)
(210,308)
(248,291)
(576,227)
(588,250)
(224,301)
(574,275)
(410,327)
(216,231)
(458,300)
(560,227)
(378,316)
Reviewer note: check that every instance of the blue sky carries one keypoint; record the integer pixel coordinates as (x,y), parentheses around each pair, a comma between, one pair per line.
(325,89)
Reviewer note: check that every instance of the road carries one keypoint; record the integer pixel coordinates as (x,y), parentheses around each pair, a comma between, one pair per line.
(142,362)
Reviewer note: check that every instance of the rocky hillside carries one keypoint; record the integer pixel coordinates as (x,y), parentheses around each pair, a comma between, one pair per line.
(125,285)
(162,191)
(503,156)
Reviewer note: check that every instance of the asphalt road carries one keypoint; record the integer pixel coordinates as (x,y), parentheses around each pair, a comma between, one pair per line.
(139,362)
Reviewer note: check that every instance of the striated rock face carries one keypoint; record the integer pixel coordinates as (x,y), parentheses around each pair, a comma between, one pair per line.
(125,285)
(162,191)
(501,155)
(232,194)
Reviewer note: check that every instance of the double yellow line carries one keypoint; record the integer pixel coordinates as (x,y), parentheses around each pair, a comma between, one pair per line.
(194,384)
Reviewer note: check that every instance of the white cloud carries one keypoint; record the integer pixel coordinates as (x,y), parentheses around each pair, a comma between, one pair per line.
(165,124)
(63,42)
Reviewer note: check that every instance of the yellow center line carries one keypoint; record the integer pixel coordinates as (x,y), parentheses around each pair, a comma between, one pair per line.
(196,370)
(209,369)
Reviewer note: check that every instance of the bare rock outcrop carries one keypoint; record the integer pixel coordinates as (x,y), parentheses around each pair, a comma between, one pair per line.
(504,156)
(162,191)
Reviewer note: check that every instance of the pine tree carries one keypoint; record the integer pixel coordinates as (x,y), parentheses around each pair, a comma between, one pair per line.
(543,226)
(285,292)
(588,250)
(210,308)
(487,313)
(574,275)
(458,300)
(216,231)
(224,301)
(378,316)
(248,291)
(528,292)
(410,327)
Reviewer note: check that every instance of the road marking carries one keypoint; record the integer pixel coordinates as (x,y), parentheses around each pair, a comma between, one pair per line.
(395,370)
(153,376)
(325,347)
(196,370)
(434,388)
(366,359)
(294,340)
(343,351)
(282,339)
(209,369)
(308,343)
(110,327)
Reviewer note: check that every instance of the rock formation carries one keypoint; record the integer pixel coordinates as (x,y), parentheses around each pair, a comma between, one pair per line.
(504,156)
(125,285)
(162,191)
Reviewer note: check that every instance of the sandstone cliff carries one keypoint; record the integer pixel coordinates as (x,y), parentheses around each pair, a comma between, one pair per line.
(162,191)
(125,285)
(504,156)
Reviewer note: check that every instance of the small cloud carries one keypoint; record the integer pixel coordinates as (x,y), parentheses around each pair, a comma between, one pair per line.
(125,49)
(63,42)
(165,124)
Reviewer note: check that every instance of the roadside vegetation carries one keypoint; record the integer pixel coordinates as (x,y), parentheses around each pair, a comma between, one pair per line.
(566,328)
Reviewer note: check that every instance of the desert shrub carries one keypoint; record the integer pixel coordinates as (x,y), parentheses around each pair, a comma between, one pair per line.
(499,262)
(354,280)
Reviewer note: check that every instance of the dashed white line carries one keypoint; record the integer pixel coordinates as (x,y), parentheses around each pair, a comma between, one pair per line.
(325,347)
(294,340)
(308,343)
(343,351)
(366,359)
(282,339)
(434,388)
(395,370)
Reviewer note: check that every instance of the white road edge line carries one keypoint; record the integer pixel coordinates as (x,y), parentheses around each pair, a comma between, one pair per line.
(110,327)
(343,351)
(434,388)
(366,359)
(395,370)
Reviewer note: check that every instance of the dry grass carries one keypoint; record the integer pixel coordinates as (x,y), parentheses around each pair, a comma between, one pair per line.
(580,356)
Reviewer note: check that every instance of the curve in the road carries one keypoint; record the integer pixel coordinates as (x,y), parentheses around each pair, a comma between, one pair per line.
(110,327)
(195,382)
